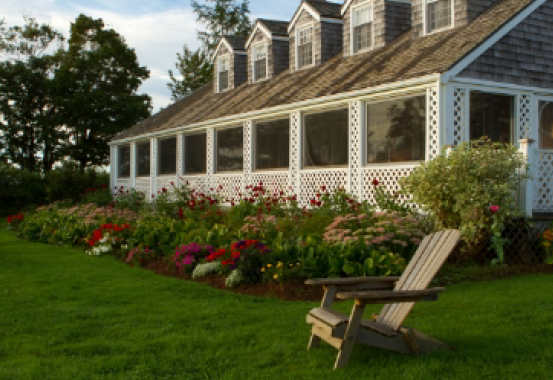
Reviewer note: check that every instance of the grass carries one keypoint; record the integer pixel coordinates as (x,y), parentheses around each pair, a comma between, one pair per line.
(65,315)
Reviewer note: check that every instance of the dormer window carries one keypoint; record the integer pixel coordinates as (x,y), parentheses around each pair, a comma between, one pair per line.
(222,73)
(305,47)
(438,15)
(362,24)
(260,62)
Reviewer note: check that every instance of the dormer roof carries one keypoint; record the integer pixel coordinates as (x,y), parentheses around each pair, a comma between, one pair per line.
(320,10)
(236,45)
(348,3)
(273,29)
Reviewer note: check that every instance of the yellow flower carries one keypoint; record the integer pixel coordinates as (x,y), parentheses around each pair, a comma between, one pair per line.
(275,276)
(262,269)
(279,264)
(290,265)
(269,265)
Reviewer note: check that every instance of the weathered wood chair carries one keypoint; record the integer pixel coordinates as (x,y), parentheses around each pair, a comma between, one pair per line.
(399,295)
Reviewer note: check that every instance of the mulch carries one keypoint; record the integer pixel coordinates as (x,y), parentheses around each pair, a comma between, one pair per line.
(297,290)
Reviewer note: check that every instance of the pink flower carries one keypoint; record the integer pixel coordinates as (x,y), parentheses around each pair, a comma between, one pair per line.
(494,209)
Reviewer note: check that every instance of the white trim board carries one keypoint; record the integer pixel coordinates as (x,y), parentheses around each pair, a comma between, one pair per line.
(492,40)
(228,45)
(264,30)
(304,7)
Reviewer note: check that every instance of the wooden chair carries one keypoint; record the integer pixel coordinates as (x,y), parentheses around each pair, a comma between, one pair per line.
(399,295)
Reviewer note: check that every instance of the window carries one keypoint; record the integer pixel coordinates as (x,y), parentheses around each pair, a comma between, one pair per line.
(195,147)
(325,141)
(305,47)
(546,125)
(124,162)
(362,28)
(222,73)
(396,130)
(438,14)
(259,62)
(143,159)
(230,149)
(491,115)
(167,156)
(272,144)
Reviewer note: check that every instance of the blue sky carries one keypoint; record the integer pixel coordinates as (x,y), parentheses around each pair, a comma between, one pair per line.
(157,29)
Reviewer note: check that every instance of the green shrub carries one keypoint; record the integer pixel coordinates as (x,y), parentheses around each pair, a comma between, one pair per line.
(471,189)
(19,190)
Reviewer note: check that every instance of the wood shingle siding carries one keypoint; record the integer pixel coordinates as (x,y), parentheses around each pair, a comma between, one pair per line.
(523,57)
(331,35)
(280,54)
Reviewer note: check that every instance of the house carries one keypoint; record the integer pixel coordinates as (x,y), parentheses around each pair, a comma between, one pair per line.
(346,93)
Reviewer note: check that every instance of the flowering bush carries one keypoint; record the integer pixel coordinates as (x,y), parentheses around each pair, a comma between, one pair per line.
(139,256)
(547,243)
(107,238)
(471,189)
(187,256)
(14,221)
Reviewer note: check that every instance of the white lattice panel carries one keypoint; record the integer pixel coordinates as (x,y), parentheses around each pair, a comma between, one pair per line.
(433,123)
(197,183)
(355,133)
(180,155)
(274,182)
(247,151)
(228,186)
(543,182)
(459,133)
(126,183)
(165,183)
(525,116)
(143,185)
(295,141)
(112,167)
(133,164)
(312,181)
(210,166)
(388,178)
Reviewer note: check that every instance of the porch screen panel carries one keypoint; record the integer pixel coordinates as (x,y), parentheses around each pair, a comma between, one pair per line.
(396,130)
(491,115)
(124,165)
(195,157)
(143,159)
(546,125)
(167,156)
(272,144)
(326,140)
(230,149)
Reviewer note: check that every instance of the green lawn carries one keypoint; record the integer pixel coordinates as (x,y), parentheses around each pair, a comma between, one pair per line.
(65,315)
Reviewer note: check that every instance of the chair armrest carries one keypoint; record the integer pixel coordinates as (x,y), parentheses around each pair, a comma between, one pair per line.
(350,280)
(386,296)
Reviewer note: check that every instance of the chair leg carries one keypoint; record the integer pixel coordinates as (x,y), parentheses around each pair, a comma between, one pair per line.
(350,335)
(328,298)
(313,342)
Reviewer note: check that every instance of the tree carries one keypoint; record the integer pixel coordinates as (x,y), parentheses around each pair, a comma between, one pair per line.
(96,90)
(30,136)
(225,17)
(196,71)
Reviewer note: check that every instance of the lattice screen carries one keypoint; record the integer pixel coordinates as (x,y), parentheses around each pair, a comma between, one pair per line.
(210,138)
(112,167)
(295,141)
(355,148)
(387,178)
(247,151)
(143,185)
(133,164)
(228,185)
(198,183)
(273,182)
(433,124)
(459,133)
(311,182)
(180,157)
(525,116)
(126,183)
(543,182)
(165,183)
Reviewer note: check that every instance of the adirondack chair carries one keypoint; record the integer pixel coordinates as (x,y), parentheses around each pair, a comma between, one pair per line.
(399,295)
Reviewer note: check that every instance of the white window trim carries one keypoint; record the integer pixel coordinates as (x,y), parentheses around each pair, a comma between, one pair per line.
(351,27)
(536,135)
(425,18)
(226,56)
(266,45)
(296,47)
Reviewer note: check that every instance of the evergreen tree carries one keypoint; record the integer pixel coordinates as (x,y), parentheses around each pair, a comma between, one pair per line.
(196,71)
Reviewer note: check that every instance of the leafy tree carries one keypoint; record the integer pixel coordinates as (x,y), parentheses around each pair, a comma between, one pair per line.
(196,71)
(96,90)
(224,17)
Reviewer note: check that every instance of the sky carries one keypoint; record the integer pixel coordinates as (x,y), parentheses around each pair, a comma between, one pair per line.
(156,29)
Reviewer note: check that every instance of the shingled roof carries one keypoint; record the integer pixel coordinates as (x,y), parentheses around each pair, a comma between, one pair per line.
(237,43)
(277,28)
(326,9)
(405,58)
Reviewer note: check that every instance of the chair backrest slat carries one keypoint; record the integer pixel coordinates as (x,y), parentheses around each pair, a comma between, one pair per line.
(422,268)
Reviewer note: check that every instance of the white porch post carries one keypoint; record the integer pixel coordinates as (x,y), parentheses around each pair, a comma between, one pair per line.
(433,122)
(180,159)
(248,156)
(113,168)
(295,153)
(153,166)
(526,187)
(133,165)
(356,151)
(210,157)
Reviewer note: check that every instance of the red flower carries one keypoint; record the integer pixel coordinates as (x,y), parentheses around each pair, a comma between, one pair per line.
(375,182)
(494,209)
(323,187)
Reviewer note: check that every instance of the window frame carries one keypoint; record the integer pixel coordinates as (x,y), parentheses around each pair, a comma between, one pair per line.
(310,25)
(136,159)
(158,157)
(119,161)
(216,150)
(536,136)
(254,145)
(219,71)
(254,71)
(303,139)
(513,95)
(353,8)
(426,18)
(364,142)
(183,150)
